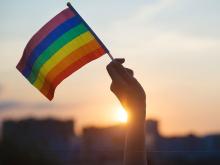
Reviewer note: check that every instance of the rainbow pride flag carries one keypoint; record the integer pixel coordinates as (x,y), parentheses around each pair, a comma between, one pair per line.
(58,49)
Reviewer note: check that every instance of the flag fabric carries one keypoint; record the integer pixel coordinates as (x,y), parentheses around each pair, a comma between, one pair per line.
(58,49)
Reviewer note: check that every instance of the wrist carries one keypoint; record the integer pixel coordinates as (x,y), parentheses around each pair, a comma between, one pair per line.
(137,117)
(137,112)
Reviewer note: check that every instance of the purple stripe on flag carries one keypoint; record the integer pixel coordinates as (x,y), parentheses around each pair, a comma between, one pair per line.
(42,33)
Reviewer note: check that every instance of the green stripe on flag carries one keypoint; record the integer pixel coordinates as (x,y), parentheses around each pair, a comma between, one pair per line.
(53,48)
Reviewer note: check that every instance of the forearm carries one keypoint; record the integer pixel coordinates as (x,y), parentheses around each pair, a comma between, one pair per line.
(135,152)
(132,97)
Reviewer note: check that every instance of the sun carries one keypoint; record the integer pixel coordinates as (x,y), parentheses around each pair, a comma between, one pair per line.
(122,115)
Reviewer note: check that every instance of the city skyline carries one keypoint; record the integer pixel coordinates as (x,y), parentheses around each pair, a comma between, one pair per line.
(55,142)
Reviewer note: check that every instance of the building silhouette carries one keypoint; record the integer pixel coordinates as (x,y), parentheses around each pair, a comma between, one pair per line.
(39,142)
(54,142)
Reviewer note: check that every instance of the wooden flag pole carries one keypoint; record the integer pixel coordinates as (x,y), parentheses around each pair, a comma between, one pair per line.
(93,33)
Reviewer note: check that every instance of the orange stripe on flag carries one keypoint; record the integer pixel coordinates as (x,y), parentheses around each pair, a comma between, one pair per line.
(67,61)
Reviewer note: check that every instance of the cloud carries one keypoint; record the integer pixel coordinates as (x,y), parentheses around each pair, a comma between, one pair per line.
(168,27)
(13,104)
(8,105)
(167,18)
(188,17)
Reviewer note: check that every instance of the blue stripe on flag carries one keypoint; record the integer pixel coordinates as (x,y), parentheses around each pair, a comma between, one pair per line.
(53,36)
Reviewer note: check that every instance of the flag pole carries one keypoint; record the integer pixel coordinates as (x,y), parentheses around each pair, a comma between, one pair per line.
(111,57)
(93,33)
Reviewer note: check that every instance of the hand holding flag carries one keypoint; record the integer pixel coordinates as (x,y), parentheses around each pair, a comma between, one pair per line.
(127,89)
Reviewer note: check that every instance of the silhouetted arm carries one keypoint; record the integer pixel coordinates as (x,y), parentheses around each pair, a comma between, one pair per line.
(132,97)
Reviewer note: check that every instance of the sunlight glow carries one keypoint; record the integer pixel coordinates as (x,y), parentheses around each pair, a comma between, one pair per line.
(122,115)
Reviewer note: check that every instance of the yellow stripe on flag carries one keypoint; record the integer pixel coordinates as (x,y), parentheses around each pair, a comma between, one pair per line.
(60,55)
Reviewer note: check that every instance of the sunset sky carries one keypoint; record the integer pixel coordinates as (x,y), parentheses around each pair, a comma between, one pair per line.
(173,46)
